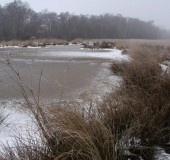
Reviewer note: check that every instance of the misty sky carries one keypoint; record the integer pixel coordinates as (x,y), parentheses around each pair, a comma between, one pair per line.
(157,10)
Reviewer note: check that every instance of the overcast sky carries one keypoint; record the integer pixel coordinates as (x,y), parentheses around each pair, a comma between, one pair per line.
(157,10)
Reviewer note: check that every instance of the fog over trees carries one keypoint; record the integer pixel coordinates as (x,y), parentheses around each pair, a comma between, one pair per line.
(19,21)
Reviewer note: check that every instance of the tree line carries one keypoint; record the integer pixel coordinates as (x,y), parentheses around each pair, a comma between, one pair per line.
(19,21)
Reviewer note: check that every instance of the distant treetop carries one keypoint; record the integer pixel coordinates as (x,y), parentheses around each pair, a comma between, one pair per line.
(19,21)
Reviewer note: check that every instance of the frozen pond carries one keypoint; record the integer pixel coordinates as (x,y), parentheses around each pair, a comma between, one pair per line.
(67,72)
(65,69)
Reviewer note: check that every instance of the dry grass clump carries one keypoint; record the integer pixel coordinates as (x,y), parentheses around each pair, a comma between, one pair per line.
(132,46)
(71,135)
(2,43)
(82,136)
(13,43)
(62,42)
(77,41)
(98,45)
(35,42)
(103,44)
(53,41)
(50,41)
(129,45)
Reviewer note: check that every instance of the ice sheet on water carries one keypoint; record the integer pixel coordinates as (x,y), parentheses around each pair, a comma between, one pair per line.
(20,122)
(113,54)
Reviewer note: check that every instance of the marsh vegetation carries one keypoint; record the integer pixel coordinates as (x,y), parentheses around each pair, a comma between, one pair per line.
(132,121)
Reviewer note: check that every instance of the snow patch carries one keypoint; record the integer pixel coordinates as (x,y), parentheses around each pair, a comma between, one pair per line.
(33,47)
(17,122)
(162,155)
(165,68)
(9,46)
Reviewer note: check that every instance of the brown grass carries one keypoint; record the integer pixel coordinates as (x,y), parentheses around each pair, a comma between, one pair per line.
(77,41)
(35,42)
(145,98)
(13,43)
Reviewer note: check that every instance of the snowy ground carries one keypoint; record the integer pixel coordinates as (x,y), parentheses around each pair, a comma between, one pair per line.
(17,122)
(162,155)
